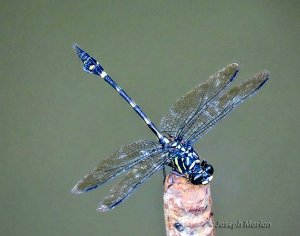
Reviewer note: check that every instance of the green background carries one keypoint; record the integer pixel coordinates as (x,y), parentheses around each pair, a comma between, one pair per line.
(57,122)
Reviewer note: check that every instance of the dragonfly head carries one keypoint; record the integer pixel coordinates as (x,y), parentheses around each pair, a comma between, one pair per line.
(202,174)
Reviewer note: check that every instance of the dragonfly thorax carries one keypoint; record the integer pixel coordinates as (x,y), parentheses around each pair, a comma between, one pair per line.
(185,161)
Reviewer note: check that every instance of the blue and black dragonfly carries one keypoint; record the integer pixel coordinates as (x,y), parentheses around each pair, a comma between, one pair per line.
(192,115)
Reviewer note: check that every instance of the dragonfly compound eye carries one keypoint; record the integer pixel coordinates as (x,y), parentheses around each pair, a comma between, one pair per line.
(204,176)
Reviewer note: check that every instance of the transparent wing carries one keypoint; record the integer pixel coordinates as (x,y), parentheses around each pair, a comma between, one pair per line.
(132,180)
(120,161)
(218,108)
(193,103)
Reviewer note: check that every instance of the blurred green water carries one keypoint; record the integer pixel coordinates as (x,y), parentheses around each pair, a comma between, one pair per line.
(58,122)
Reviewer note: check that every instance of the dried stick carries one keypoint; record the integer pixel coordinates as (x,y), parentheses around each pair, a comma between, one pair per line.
(187,208)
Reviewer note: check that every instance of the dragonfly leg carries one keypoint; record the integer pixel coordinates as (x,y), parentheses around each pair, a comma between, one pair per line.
(164,174)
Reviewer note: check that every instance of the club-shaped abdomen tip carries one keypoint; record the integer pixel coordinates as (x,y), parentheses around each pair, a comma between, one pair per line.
(80,52)
(77,48)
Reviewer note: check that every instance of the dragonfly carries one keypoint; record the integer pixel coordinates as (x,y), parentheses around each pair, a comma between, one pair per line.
(192,116)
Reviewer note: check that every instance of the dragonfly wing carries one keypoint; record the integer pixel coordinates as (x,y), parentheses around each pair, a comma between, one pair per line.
(220,107)
(120,161)
(132,180)
(192,103)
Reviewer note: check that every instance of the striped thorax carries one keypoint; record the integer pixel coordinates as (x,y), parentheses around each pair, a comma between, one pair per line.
(185,161)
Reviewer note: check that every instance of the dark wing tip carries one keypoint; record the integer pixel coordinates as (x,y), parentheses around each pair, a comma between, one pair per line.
(102,208)
(231,70)
(84,185)
(234,66)
(266,74)
(76,189)
(263,76)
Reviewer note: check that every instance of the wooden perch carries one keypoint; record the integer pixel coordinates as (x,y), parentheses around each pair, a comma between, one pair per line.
(187,208)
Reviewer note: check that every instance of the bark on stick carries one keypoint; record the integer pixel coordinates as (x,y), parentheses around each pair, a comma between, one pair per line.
(187,208)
